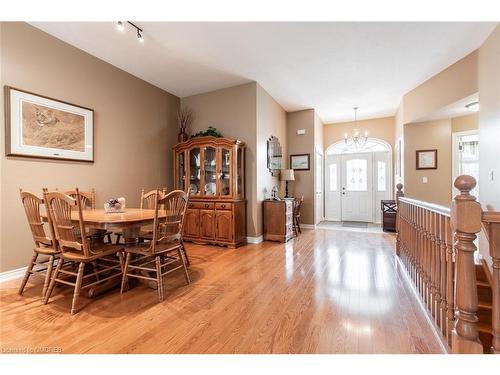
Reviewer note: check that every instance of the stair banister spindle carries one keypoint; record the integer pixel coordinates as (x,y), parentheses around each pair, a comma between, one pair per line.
(465,222)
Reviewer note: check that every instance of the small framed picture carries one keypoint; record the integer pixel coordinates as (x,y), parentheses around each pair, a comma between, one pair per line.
(426,159)
(42,127)
(300,162)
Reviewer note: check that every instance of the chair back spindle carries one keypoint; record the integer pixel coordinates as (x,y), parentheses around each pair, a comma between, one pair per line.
(31,204)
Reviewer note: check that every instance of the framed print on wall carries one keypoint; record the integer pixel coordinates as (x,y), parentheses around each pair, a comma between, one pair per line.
(300,162)
(426,159)
(42,127)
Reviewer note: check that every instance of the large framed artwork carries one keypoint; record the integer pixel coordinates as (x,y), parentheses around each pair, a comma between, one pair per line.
(42,127)
(300,162)
(426,159)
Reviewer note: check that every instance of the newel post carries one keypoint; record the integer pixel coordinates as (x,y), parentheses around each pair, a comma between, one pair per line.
(465,223)
(399,193)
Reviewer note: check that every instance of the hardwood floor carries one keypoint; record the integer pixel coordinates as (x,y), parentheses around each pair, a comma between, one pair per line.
(325,292)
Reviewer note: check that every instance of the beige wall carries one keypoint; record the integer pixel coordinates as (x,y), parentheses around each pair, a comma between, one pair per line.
(134,129)
(489,127)
(456,82)
(233,112)
(381,128)
(303,144)
(426,136)
(271,120)
(465,123)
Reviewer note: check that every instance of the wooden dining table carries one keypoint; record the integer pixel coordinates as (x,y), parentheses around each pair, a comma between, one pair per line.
(129,222)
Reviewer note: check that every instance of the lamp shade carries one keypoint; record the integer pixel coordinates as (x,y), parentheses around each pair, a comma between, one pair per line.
(287,175)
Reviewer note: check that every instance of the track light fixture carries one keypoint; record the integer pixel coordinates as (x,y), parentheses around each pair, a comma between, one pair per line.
(120,26)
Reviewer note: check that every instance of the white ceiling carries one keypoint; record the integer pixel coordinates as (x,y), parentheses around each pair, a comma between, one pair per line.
(331,67)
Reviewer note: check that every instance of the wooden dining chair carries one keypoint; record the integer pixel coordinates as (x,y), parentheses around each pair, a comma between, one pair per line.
(148,200)
(79,250)
(88,199)
(165,247)
(45,246)
(297,204)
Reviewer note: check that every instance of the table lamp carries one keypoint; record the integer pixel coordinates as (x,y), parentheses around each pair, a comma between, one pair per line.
(287,175)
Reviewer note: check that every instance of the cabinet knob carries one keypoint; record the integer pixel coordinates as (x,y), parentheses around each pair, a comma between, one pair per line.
(207,205)
(191,205)
(223,206)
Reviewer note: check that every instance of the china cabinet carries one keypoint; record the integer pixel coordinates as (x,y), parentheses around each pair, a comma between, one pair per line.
(212,170)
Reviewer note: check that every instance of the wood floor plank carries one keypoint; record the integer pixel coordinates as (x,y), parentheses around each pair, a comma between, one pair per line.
(326,291)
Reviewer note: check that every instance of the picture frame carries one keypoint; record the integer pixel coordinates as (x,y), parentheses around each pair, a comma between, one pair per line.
(426,159)
(38,126)
(300,162)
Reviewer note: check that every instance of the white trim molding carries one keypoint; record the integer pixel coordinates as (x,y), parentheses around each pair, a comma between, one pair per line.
(255,240)
(12,274)
(308,226)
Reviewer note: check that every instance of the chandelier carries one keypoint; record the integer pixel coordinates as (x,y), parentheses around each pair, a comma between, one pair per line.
(357,140)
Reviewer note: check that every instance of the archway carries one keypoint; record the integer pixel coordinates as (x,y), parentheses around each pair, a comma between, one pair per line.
(356,179)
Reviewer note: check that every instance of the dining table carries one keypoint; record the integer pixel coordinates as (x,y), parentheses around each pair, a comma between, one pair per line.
(129,223)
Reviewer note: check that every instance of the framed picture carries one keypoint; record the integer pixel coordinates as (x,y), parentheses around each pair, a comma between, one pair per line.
(42,127)
(426,159)
(300,162)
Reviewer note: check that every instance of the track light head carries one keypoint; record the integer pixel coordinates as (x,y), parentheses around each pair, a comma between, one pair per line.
(139,37)
(120,26)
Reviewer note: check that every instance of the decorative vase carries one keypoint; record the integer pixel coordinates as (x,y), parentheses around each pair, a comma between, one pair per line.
(182,137)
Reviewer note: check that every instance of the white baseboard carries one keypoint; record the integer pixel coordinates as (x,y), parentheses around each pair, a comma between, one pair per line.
(12,274)
(255,240)
(308,226)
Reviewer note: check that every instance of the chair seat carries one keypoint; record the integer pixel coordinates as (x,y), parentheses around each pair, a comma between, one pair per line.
(144,248)
(46,250)
(99,252)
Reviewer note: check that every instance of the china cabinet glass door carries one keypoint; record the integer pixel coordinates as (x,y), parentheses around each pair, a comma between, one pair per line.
(225,172)
(239,172)
(194,171)
(210,171)
(181,171)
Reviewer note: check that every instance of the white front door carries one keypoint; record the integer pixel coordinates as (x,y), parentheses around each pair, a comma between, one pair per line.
(357,181)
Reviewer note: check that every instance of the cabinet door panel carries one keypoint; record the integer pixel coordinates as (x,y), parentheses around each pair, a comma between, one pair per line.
(224,225)
(207,224)
(191,223)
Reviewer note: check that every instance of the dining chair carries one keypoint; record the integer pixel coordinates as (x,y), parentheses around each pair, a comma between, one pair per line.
(45,246)
(148,200)
(88,200)
(79,250)
(297,204)
(165,247)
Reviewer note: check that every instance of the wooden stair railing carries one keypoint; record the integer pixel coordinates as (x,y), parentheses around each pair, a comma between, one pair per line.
(491,225)
(436,246)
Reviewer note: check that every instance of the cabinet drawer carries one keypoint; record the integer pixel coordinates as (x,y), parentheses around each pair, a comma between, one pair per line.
(201,205)
(223,206)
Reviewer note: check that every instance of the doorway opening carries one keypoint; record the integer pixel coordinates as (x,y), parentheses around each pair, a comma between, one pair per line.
(465,158)
(356,180)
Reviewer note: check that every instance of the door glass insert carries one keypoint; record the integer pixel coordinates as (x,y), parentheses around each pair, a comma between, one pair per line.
(194,171)
(381,176)
(181,172)
(210,170)
(225,177)
(333,177)
(468,158)
(356,175)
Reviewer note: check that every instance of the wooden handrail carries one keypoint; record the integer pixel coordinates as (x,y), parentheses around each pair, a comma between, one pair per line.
(428,206)
(491,225)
